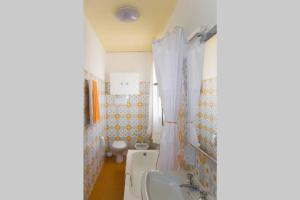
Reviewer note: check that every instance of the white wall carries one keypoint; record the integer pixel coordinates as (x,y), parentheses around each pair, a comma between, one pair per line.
(195,14)
(139,62)
(210,58)
(95,55)
(192,14)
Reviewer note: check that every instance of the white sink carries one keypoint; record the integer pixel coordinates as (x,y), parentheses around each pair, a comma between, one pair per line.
(158,185)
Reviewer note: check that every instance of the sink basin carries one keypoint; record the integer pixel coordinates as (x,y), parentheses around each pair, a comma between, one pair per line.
(141,146)
(158,185)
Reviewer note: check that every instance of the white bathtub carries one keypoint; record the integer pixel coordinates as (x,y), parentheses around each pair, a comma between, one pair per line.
(138,161)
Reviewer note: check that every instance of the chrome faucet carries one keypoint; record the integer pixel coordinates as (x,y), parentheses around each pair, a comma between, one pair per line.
(191,185)
(190,177)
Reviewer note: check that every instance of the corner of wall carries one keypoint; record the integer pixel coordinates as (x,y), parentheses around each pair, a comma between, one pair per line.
(192,14)
(95,54)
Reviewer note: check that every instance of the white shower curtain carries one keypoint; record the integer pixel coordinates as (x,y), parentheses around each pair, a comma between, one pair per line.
(168,56)
(194,63)
(150,108)
(156,111)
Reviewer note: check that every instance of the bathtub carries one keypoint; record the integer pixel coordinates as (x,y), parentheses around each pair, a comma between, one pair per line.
(138,161)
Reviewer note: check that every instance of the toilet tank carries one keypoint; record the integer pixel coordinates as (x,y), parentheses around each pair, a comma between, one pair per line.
(125,83)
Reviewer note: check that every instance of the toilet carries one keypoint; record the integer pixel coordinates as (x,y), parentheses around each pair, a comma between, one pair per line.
(118,148)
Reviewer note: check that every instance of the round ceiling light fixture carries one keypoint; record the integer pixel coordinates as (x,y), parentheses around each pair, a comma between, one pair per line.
(127,14)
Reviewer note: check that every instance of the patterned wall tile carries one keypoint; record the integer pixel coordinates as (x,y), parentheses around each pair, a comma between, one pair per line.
(94,147)
(204,169)
(128,122)
(207,116)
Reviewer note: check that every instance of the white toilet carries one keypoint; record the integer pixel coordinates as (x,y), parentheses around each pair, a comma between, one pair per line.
(118,148)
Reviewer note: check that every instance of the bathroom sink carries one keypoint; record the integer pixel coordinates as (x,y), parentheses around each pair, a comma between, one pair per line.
(141,146)
(158,185)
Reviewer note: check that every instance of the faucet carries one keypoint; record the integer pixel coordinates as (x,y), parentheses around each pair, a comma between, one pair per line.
(191,185)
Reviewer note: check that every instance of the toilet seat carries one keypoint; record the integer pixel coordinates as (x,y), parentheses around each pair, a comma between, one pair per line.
(119,145)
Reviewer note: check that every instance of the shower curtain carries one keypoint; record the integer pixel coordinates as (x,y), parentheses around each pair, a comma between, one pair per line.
(194,63)
(168,56)
(156,111)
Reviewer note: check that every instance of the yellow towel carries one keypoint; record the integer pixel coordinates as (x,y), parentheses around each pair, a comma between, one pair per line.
(96,108)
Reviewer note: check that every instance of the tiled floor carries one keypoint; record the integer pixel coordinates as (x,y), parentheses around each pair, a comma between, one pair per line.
(110,183)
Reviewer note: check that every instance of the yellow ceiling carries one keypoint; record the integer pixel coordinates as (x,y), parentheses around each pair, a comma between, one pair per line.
(118,36)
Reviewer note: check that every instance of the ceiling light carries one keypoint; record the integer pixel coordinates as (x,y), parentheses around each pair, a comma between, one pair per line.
(127,14)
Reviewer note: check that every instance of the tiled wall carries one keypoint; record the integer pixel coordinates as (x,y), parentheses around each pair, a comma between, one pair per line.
(94,148)
(204,168)
(128,122)
(207,116)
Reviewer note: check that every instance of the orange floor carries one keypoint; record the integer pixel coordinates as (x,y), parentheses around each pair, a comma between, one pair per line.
(110,183)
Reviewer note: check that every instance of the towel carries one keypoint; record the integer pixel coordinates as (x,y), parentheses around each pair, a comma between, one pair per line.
(96,112)
(86,103)
(91,102)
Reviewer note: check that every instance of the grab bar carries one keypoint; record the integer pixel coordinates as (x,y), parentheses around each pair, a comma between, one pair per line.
(204,152)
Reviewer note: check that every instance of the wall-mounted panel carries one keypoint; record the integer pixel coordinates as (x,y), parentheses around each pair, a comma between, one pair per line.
(124,84)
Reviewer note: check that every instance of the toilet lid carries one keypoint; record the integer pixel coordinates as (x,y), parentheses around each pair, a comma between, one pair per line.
(119,144)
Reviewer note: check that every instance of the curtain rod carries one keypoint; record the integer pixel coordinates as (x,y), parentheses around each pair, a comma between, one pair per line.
(205,35)
(211,33)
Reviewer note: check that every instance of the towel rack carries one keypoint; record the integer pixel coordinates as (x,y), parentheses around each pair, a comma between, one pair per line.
(90,75)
